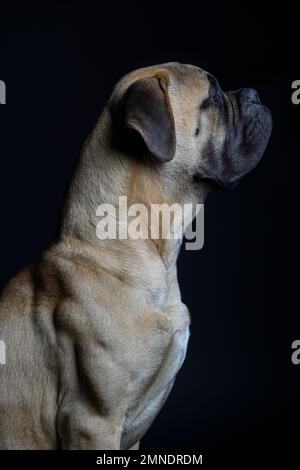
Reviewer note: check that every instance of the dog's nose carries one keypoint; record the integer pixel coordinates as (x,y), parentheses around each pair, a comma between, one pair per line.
(250,95)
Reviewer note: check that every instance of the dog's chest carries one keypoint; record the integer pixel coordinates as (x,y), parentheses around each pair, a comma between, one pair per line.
(154,383)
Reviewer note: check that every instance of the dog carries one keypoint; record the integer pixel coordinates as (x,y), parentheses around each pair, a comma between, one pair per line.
(95,329)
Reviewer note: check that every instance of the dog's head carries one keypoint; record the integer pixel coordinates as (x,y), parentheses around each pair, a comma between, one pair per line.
(179,115)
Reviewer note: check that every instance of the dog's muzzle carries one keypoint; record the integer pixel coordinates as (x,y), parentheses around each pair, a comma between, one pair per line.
(249,127)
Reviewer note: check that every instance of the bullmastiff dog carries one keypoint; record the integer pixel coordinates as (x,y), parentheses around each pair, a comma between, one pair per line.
(95,329)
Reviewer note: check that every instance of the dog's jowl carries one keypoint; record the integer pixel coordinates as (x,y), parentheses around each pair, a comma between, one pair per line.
(95,328)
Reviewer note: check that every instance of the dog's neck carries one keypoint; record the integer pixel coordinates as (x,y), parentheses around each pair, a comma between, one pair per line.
(102,176)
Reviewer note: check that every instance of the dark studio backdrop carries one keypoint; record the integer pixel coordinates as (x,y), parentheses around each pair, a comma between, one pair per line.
(238,387)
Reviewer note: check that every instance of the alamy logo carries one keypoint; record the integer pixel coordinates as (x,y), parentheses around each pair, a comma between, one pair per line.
(2,92)
(296,353)
(156,221)
(296,93)
(2,353)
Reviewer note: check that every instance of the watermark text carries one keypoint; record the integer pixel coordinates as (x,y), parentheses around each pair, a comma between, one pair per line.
(2,92)
(2,353)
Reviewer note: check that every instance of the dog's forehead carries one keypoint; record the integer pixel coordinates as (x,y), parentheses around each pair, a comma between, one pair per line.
(185,72)
(188,78)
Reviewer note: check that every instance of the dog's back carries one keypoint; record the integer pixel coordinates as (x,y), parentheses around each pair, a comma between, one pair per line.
(28,378)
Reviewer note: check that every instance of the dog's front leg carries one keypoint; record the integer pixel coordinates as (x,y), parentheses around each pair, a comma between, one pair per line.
(90,412)
(80,428)
(136,446)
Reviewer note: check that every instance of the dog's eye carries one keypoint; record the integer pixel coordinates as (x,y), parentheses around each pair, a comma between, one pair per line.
(213,100)
(216,99)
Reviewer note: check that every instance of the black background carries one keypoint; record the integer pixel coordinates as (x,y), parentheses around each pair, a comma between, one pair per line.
(238,387)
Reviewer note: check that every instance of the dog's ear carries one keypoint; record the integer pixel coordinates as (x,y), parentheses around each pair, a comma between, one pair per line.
(148,112)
